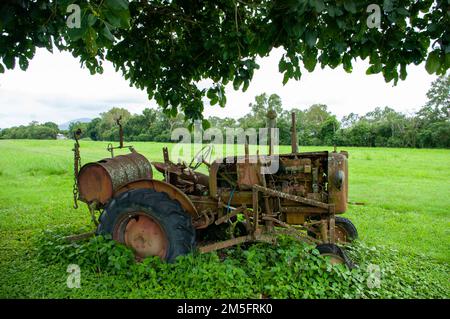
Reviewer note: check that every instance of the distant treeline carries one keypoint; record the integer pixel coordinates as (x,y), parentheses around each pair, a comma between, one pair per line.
(34,130)
(383,127)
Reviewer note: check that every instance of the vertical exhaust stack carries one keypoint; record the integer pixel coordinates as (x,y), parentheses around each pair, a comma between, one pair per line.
(247,153)
(118,121)
(271,124)
(294,143)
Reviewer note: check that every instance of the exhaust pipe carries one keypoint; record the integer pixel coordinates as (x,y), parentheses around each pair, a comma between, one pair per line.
(271,124)
(294,143)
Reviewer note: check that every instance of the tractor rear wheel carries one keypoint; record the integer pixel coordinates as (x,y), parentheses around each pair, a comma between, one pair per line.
(150,223)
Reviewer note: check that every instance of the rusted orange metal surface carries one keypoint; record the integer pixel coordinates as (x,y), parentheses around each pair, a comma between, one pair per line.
(98,181)
(161,186)
(143,234)
(338,180)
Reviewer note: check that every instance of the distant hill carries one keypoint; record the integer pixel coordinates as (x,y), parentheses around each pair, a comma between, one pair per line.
(65,126)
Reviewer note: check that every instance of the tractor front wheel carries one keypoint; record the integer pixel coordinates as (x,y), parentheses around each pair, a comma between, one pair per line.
(150,223)
(344,231)
(335,254)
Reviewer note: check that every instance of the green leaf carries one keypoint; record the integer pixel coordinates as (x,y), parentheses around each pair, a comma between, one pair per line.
(285,78)
(350,6)
(318,5)
(114,20)
(117,13)
(432,27)
(91,19)
(214,100)
(388,6)
(205,124)
(76,34)
(390,74)
(447,49)
(2,69)
(311,38)
(403,12)
(310,60)
(107,33)
(433,62)
(23,63)
(282,65)
(297,74)
(224,53)
(341,23)
(347,63)
(173,112)
(331,11)
(223,101)
(374,69)
(246,84)
(237,83)
(9,61)
(124,19)
(364,52)
(117,4)
(403,72)
(118,19)
(298,29)
(30,52)
(211,93)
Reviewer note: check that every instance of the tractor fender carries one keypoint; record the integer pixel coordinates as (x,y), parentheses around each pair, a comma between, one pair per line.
(161,186)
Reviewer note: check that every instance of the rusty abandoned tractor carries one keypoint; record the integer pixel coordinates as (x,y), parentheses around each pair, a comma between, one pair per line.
(234,204)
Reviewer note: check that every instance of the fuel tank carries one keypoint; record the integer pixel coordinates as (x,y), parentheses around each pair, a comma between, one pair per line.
(98,181)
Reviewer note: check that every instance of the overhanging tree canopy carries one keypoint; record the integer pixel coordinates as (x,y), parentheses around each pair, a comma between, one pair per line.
(166,47)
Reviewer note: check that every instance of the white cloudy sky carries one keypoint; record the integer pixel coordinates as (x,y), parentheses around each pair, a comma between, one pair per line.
(55,88)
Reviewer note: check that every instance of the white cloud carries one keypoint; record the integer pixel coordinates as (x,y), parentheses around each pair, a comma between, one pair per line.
(55,88)
(342,92)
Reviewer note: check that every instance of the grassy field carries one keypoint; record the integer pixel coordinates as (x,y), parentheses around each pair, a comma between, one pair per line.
(405,191)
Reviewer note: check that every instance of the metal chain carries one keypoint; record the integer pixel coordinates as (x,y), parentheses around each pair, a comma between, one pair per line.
(76,167)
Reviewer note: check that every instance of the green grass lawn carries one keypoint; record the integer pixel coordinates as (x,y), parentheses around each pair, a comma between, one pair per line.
(405,192)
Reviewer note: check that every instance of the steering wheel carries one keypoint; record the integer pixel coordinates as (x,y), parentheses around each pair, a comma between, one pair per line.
(201,155)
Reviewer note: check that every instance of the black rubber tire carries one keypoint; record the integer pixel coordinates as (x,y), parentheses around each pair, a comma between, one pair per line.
(346,224)
(174,221)
(337,251)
